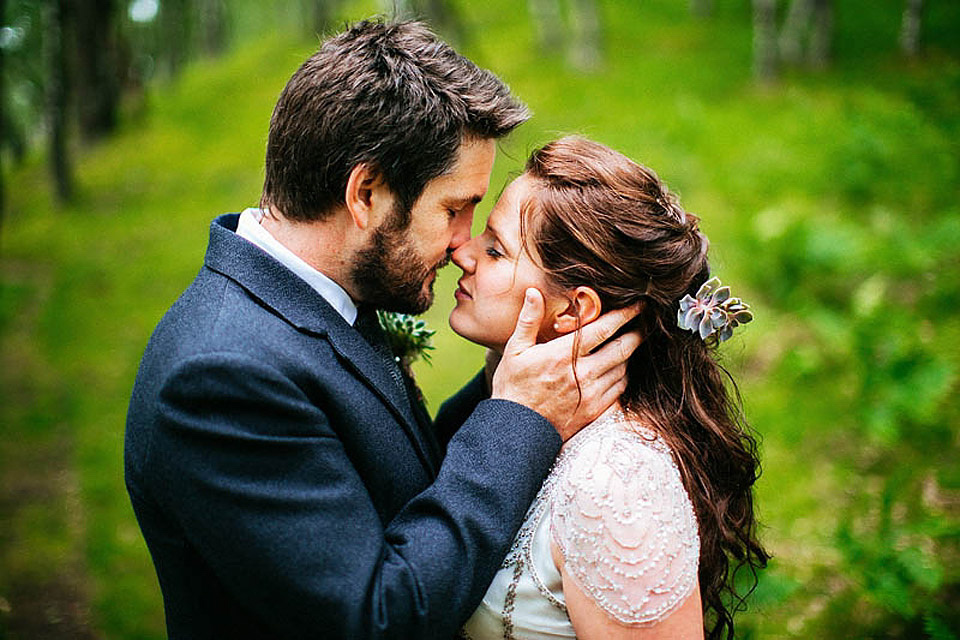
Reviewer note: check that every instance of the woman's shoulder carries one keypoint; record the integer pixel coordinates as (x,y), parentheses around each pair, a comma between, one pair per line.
(615,440)
(624,522)
(619,460)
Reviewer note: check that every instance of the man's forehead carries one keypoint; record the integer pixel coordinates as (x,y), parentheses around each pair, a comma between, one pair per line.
(467,179)
(474,153)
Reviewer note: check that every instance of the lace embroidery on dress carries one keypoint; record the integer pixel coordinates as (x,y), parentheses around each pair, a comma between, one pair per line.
(624,522)
(520,557)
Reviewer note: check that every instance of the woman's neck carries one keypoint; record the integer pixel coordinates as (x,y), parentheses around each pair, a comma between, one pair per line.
(616,407)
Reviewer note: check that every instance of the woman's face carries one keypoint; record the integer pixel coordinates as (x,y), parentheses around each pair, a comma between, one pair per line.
(496,273)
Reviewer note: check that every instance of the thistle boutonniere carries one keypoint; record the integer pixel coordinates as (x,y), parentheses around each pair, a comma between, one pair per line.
(407,337)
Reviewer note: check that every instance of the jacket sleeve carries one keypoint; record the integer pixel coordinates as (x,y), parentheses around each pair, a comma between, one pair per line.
(296,537)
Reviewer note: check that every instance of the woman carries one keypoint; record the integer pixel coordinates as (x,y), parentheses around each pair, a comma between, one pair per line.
(633,532)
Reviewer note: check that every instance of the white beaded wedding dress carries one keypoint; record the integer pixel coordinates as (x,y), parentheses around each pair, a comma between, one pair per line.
(616,507)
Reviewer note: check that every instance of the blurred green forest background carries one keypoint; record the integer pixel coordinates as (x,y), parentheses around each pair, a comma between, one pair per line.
(818,140)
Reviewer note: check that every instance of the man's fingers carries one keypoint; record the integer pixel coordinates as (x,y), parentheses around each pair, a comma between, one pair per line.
(528,323)
(600,330)
(599,394)
(609,394)
(612,354)
(606,379)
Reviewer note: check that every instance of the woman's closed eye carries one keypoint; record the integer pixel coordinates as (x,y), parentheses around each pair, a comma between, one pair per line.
(493,252)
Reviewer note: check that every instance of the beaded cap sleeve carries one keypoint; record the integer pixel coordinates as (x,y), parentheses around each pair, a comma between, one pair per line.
(624,522)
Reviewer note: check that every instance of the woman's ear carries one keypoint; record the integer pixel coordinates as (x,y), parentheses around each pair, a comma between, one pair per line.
(584,307)
(368,198)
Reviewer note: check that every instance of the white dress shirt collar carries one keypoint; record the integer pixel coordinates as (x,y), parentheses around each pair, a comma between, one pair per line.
(250,229)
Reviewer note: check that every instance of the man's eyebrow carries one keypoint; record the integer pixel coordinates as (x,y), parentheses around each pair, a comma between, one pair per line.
(463,200)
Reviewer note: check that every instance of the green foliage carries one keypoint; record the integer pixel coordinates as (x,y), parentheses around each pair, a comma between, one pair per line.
(408,337)
(831,204)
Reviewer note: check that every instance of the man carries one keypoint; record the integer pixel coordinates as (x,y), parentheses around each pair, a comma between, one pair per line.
(286,479)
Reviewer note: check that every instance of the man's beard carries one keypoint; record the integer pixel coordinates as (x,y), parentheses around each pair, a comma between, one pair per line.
(389,273)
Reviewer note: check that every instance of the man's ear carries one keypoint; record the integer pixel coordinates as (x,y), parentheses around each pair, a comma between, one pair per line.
(366,196)
(584,308)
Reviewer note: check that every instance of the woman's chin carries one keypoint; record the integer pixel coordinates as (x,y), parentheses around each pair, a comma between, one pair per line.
(458,325)
(470,333)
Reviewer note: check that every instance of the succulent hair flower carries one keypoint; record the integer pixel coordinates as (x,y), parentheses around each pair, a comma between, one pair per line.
(407,337)
(713,310)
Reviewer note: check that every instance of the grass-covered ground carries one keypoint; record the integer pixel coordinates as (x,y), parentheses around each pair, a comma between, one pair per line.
(831,201)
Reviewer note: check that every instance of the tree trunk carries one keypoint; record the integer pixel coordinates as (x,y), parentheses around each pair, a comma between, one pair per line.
(765,40)
(214,26)
(97,67)
(547,24)
(821,38)
(910,29)
(175,25)
(57,16)
(394,8)
(318,15)
(585,50)
(794,29)
(701,8)
(444,16)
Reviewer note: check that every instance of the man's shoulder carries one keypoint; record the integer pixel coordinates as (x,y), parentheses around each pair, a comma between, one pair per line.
(217,315)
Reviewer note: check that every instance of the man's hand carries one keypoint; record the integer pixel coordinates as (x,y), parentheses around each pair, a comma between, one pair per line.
(540,376)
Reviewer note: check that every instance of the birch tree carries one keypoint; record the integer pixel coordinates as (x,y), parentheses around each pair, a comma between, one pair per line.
(547,24)
(318,14)
(821,34)
(701,8)
(585,45)
(442,15)
(175,26)
(765,40)
(791,40)
(910,27)
(807,33)
(579,35)
(214,26)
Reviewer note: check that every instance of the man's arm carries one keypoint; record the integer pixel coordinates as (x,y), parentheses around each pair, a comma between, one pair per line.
(260,481)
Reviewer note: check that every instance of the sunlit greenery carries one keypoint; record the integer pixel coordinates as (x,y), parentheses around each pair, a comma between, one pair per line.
(831,200)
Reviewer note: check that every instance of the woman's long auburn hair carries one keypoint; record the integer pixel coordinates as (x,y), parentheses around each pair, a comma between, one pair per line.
(595,218)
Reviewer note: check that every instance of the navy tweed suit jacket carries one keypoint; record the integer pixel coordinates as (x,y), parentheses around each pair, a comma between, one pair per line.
(285,487)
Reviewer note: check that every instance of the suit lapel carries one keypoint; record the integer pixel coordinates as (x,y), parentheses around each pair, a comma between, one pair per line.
(359,356)
(278,288)
(423,419)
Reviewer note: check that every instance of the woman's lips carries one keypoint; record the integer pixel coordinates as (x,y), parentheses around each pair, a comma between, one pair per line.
(461,293)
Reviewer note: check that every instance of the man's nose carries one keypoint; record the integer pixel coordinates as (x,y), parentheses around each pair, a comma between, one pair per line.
(463,257)
(461,231)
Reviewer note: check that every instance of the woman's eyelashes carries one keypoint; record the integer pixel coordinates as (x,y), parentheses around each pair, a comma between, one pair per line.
(492,246)
(493,252)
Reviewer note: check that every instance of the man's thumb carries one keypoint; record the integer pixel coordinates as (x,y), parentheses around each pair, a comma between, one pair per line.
(528,322)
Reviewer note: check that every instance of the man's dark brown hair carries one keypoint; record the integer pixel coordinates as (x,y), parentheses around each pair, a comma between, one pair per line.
(392,96)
